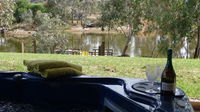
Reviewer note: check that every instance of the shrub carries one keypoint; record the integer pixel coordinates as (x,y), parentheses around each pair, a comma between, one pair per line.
(38,7)
(23,6)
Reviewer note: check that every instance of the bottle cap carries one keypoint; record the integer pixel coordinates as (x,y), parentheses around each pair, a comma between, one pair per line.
(169,52)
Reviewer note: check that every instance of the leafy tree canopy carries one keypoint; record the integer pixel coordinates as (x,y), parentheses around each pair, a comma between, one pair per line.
(6,12)
(23,6)
(123,15)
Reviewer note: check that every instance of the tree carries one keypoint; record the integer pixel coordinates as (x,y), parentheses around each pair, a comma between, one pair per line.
(124,16)
(64,8)
(6,12)
(48,42)
(27,17)
(175,19)
(85,8)
(70,10)
(47,36)
(194,11)
(22,6)
(38,7)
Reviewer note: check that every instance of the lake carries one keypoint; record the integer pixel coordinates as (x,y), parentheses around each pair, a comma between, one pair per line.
(138,47)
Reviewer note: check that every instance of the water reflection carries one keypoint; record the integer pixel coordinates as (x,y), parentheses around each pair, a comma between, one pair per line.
(145,47)
(2,41)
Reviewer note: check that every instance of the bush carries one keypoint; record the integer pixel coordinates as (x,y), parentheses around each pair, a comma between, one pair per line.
(23,6)
(38,7)
(45,21)
(27,17)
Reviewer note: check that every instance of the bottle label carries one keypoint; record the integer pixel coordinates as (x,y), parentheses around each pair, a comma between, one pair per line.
(168,86)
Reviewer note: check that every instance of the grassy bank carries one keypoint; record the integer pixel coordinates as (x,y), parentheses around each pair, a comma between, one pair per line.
(187,70)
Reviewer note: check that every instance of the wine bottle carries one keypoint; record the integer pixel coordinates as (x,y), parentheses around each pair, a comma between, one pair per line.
(168,78)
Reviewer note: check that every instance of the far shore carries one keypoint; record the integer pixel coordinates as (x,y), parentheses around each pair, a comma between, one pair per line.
(90,30)
(76,30)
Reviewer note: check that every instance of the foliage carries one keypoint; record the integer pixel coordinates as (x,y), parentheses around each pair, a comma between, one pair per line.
(176,19)
(71,9)
(38,7)
(61,8)
(6,12)
(123,15)
(194,10)
(170,18)
(27,17)
(45,22)
(23,6)
(48,42)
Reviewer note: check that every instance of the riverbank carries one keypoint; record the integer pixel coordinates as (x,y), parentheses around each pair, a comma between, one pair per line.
(75,30)
(19,33)
(187,70)
(80,30)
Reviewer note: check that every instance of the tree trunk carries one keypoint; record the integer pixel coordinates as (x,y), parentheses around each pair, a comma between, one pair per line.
(126,47)
(81,21)
(77,20)
(34,46)
(72,17)
(53,49)
(187,50)
(197,50)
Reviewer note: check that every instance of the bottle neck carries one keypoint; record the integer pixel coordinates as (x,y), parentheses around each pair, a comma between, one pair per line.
(169,57)
(169,60)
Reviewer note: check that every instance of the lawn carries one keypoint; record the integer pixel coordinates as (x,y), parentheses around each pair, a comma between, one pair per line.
(187,70)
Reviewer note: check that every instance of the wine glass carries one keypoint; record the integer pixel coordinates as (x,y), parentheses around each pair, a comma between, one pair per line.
(153,72)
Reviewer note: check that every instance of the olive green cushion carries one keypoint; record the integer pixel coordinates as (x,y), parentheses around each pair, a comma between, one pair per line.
(52,68)
(58,72)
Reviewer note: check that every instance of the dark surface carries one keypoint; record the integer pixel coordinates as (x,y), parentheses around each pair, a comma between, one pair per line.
(8,106)
(143,86)
(25,92)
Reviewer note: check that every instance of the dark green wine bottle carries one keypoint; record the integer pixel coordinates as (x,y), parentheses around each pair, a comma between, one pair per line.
(168,78)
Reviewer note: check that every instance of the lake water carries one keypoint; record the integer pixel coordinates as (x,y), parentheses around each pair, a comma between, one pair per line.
(138,47)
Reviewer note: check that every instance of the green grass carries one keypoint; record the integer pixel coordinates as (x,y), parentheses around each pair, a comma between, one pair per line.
(187,70)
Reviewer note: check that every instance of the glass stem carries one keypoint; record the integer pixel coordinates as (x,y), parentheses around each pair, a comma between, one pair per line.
(151,85)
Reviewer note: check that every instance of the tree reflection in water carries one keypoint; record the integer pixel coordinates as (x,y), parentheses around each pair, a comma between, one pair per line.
(61,42)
